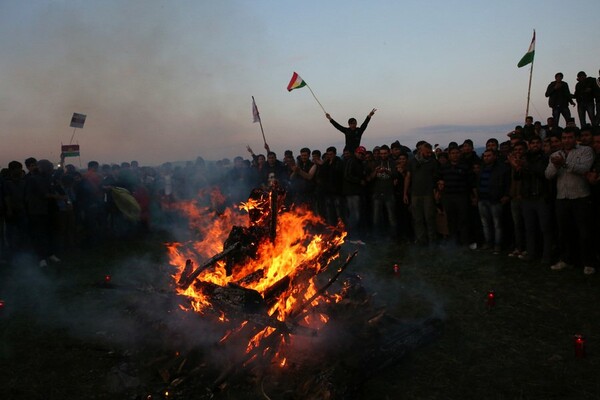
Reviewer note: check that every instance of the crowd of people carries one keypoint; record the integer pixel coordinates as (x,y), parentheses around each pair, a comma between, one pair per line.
(534,196)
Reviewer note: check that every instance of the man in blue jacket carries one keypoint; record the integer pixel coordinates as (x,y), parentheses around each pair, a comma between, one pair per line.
(493,192)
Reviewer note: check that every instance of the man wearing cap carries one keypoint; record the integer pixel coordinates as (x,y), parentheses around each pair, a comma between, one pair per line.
(352,132)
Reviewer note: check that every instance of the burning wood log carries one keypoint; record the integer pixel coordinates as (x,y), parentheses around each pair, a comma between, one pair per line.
(207,264)
(307,269)
(269,344)
(251,277)
(187,270)
(322,290)
(282,326)
(233,298)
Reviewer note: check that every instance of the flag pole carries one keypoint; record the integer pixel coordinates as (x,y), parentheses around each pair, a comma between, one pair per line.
(259,121)
(315,97)
(72,136)
(529,89)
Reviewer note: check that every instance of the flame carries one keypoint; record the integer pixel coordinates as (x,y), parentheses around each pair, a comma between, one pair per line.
(296,254)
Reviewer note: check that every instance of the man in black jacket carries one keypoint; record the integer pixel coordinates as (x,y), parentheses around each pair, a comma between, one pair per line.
(536,202)
(585,91)
(559,97)
(419,185)
(352,132)
(459,187)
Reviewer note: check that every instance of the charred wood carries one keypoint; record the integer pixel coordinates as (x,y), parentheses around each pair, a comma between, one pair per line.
(233,298)
(207,264)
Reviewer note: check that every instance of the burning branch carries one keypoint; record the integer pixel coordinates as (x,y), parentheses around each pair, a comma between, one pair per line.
(322,290)
(192,277)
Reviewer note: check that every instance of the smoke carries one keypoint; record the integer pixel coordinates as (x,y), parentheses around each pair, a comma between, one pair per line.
(406,293)
(155,79)
(132,311)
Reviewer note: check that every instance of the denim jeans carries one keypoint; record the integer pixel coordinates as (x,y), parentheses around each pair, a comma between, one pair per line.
(516,211)
(333,208)
(491,221)
(582,109)
(352,214)
(538,216)
(424,218)
(557,111)
(385,201)
(456,207)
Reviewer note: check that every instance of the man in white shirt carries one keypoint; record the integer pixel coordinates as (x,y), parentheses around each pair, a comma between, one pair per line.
(573,201)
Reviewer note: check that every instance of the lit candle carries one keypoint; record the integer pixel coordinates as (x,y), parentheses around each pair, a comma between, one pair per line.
(579,346)
(1,305)
(491,299)
(396,269)
(107,279)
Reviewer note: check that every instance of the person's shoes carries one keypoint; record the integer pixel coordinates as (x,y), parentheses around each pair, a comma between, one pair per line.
(43,264)
(53,258)
(514,253)
(473,246)
(589,270)
(559,265)
(496,250)
(525,257)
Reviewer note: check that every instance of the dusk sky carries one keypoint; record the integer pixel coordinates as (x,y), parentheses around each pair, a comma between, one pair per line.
(173,80)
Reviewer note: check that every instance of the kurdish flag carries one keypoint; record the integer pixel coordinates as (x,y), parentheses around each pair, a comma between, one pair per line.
(295,83)
(528,57)
(255,113)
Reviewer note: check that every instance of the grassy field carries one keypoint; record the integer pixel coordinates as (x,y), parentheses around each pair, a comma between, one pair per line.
(66,335)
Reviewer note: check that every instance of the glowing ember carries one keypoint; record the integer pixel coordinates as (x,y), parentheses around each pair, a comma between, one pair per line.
(107,278)
(491,299)
(579,341)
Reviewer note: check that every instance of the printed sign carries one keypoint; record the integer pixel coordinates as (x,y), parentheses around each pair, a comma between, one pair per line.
(77,120)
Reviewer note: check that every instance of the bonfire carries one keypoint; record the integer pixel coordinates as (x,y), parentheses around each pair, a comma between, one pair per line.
(258,270)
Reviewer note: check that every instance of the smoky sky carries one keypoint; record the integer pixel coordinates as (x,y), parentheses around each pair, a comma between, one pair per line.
(170,81)
(149,76)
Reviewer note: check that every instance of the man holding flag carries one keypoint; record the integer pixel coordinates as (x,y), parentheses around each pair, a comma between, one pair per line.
(352,132)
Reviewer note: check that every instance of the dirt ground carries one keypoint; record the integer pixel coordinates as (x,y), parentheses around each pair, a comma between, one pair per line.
(68,334)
